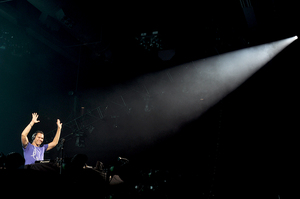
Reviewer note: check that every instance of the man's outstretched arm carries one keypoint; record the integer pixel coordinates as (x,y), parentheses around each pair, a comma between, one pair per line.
(52,144)
(24,138)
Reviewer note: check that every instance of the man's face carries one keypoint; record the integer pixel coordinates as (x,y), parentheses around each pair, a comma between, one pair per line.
(39,138)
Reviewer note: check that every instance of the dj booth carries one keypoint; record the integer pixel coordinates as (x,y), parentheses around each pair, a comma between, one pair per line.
(45,178)
(73,177)
(44,166)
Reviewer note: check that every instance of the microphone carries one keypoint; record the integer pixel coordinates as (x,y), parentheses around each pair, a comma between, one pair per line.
(61,144)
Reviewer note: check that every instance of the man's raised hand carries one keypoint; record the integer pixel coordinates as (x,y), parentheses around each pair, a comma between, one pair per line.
(25,132)
(52,144)
(35,118)
(59,124)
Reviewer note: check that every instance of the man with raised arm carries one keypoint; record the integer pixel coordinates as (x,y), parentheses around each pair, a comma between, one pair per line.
(34,151)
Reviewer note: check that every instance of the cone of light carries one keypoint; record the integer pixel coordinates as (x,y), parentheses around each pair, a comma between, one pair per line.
(201,84)
(183,93)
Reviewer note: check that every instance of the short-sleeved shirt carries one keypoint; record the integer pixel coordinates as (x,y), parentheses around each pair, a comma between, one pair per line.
(33,153)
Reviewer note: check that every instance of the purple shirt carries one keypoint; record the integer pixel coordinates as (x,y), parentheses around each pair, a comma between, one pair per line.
(33,153)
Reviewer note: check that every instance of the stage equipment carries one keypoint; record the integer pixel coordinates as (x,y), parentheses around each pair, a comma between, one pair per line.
(150,41)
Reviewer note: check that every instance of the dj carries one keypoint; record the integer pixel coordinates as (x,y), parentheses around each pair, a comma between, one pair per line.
(34,151)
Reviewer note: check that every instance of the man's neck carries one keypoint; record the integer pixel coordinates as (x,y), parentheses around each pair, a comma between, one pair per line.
(34,144)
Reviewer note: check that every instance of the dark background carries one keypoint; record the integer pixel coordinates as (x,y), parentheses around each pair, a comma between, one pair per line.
(243,146)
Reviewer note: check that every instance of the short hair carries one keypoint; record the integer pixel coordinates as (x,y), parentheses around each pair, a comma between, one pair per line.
(34,135)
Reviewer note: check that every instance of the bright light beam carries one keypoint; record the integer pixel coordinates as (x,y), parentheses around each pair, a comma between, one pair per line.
(222,74)
(182,94)
(202,84)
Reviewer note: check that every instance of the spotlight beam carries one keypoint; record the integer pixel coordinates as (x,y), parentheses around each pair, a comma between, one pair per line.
(228,71)
(201,84)
(192,89)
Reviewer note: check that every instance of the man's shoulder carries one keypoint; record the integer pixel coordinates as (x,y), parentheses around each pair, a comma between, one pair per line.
(45,146)
(29,145)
